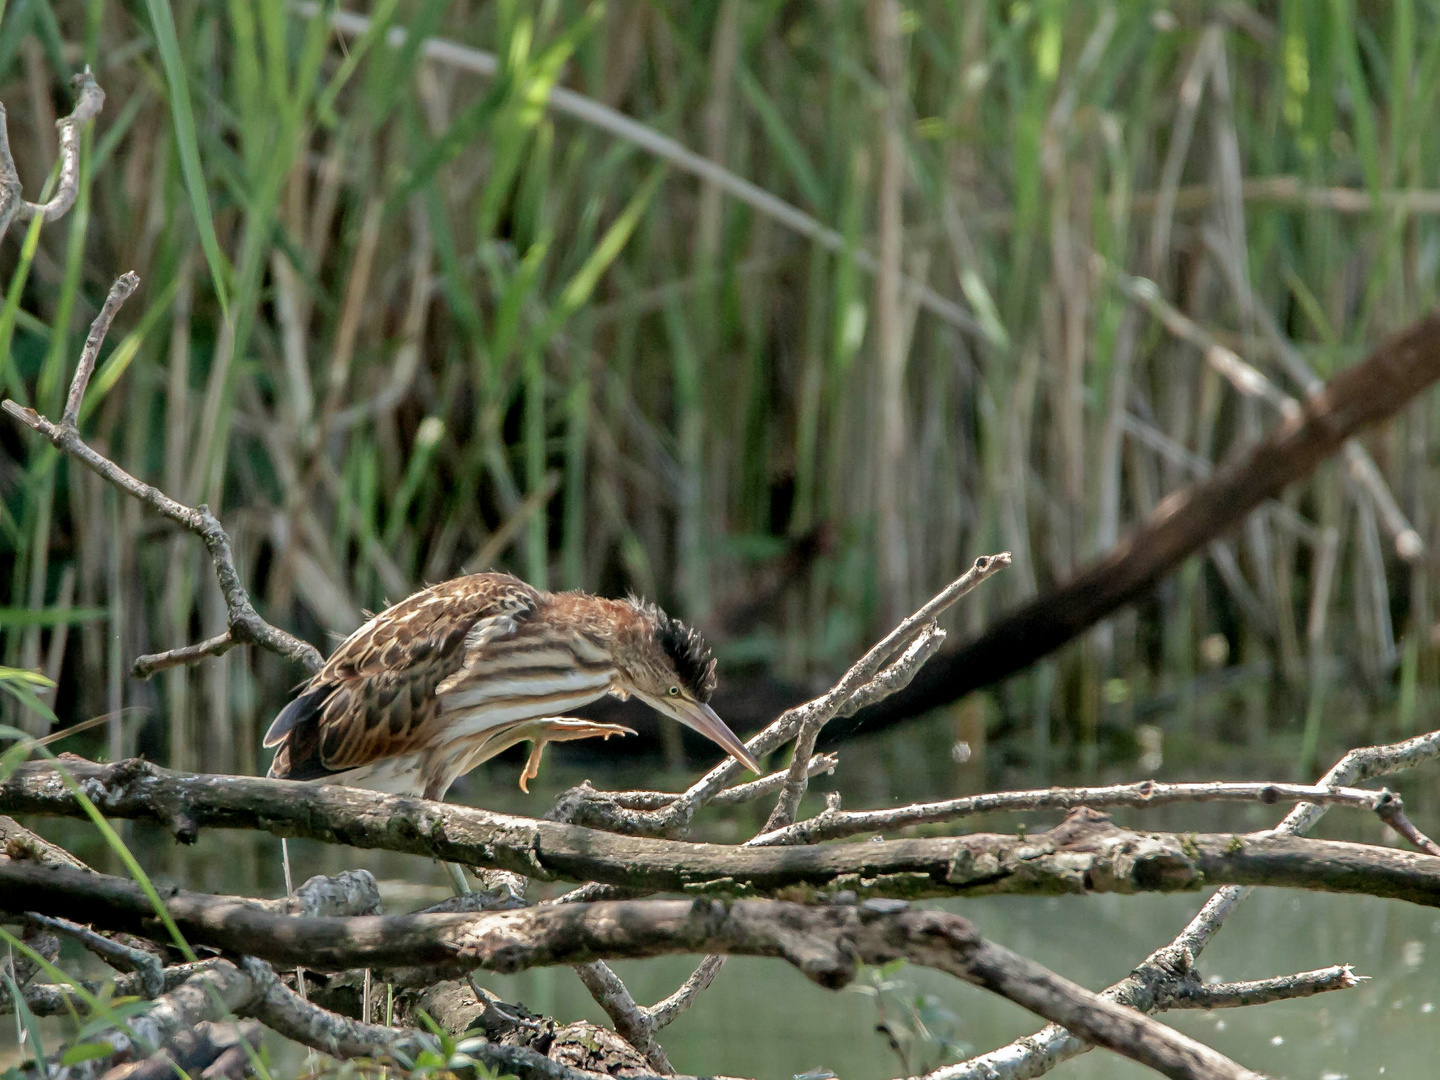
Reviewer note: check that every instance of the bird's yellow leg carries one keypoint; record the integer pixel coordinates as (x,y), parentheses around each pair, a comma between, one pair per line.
(561,729)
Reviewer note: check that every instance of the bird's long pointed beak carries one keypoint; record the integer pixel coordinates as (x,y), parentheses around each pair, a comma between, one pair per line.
(706,721)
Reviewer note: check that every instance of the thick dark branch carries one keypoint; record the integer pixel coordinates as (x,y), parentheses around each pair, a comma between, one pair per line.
(1086,853)
(826,943)
(1357,398)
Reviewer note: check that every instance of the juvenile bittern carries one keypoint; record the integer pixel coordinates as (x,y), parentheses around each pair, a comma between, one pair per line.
(451,676)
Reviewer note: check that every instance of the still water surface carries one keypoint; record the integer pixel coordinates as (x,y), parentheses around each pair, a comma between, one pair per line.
(763,1019)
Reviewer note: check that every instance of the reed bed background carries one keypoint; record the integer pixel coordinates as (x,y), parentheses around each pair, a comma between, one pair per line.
(1004,275)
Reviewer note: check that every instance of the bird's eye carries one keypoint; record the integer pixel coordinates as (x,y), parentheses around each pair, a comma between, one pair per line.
(674,691)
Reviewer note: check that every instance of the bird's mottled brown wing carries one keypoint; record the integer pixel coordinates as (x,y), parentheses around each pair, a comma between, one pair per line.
(375,697)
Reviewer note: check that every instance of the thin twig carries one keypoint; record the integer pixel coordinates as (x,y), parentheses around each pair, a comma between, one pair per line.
(151,663)
(662,1013)
(245,623)
(633,812)
(832,825)
(88,103)
(1193,994)
(118,955)
(813,716)
(124,285)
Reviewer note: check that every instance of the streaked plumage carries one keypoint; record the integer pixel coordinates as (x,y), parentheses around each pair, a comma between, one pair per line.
(458,672)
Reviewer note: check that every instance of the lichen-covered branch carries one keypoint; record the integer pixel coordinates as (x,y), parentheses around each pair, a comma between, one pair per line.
(1086,853)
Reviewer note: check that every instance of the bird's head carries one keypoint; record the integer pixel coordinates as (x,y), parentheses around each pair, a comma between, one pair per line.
(668,665)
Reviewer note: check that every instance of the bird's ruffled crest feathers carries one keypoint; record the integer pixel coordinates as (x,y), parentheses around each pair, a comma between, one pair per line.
(686,647)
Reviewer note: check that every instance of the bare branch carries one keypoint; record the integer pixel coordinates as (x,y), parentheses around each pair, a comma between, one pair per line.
(676,818)
(151,663)
(1085,853)
(834,824)
(88,103)
(663,1013)
(914,630)
(245,623)
(209,1050)
(1193,994)
(61,999)
(632,1022)
(20,843)
(209,994)
(124,285)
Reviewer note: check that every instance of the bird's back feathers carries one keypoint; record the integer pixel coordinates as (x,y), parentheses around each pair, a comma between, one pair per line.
(378,696)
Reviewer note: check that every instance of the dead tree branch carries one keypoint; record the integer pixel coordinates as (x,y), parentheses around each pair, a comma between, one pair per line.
(89,99)
(826,943)
(1361,396)
(245,623)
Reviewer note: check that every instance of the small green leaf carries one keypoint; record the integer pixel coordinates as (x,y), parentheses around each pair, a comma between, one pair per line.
(86,1052)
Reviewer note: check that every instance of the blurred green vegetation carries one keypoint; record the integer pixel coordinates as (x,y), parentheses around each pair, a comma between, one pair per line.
(400,318)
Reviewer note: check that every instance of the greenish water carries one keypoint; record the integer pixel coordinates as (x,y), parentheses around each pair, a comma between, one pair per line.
(763,1019)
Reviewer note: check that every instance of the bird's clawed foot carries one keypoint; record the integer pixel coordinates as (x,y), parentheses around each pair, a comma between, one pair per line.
(563,729)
